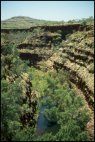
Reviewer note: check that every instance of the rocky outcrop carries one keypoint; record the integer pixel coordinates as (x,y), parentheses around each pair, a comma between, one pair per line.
(76,57)
(33,58)
(90,129)
(29,101)
(76,54)
(14,30)
(66,28)
(77,76)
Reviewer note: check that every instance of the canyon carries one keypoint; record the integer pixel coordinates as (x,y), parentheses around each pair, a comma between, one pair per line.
(69,48)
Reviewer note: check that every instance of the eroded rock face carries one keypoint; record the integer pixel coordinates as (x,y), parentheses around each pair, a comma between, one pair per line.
(77,52)
(77,79)
(33,58)
(77,59)
(29,99)
(90,128)
(69,28)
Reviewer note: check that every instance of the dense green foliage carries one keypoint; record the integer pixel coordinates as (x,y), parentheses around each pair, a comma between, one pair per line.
(12,105)
(63,107)
(24,89)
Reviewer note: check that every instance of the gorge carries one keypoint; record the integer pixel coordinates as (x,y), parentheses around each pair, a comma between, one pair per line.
(56,61)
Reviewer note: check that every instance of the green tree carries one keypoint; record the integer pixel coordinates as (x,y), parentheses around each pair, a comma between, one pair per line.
(10,109)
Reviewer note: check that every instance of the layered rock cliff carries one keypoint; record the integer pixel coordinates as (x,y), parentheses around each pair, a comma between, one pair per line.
(69,48)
